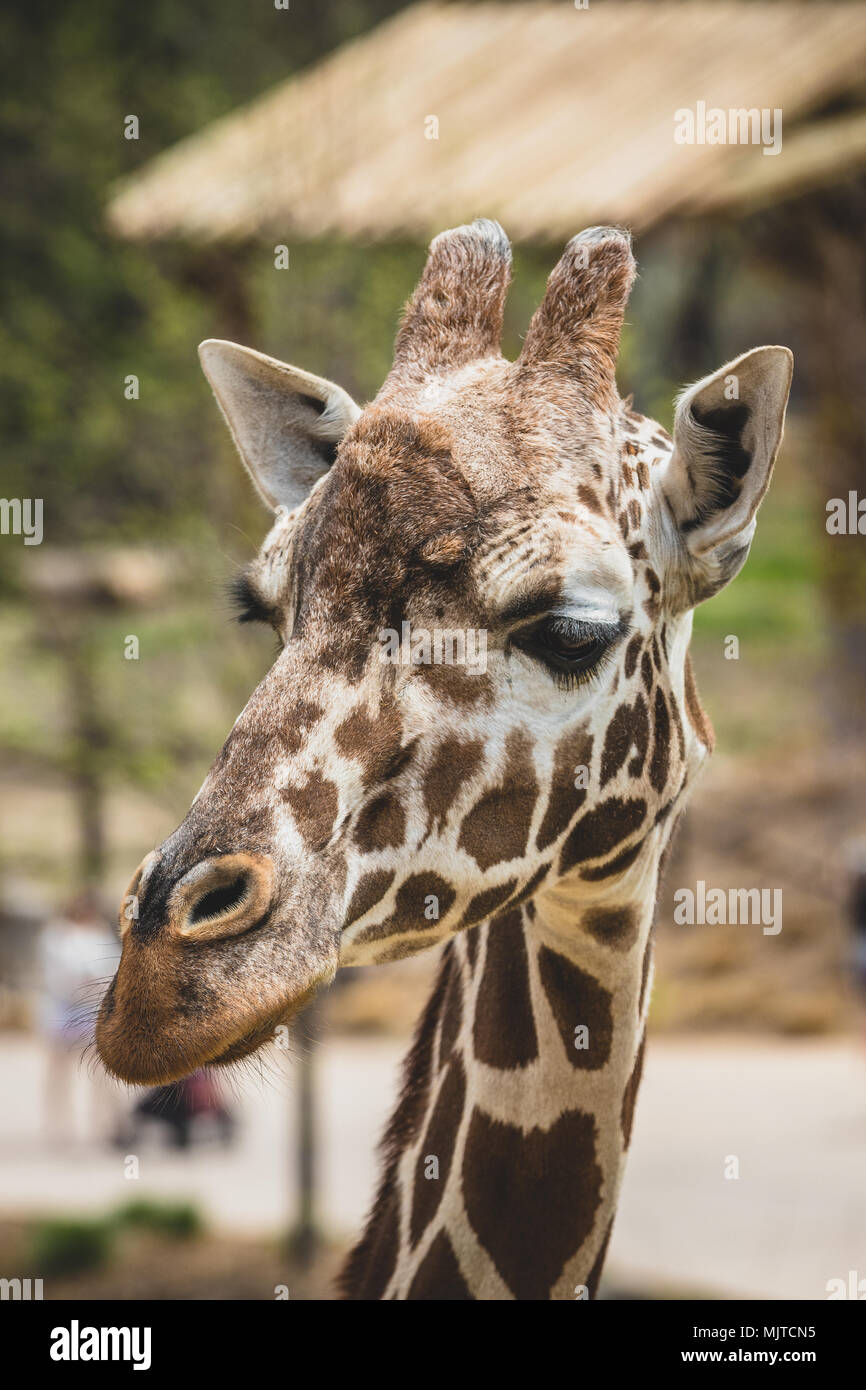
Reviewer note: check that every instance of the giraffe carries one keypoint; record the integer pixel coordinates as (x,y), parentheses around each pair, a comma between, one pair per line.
(367,806)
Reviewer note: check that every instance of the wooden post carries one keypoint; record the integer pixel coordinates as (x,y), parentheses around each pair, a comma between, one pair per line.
(306,1236)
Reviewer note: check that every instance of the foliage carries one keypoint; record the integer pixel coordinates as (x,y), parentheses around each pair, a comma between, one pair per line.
(82,310)
(179,1220)
(69,1245)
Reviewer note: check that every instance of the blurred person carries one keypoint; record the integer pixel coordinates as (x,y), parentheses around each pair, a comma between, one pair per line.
(856,862)
(180,1106)
(78,951)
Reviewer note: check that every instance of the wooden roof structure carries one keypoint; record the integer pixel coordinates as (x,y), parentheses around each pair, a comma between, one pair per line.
(549,118)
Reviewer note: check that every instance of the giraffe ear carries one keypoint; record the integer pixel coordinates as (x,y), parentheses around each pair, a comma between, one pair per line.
(727,432)
(286,423)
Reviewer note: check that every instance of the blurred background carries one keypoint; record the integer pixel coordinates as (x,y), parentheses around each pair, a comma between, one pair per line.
(173,173)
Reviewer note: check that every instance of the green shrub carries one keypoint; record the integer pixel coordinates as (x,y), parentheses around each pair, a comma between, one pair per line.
(180,1220)
(68,1246)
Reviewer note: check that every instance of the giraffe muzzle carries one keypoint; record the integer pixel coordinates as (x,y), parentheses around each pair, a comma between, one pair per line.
(206,972)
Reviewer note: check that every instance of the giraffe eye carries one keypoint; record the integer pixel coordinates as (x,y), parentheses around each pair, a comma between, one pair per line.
(567,646)
(568,641)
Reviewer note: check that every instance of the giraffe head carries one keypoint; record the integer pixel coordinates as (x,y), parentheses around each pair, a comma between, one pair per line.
(482,584)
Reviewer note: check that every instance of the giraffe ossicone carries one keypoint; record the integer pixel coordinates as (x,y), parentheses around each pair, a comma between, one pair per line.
(362,810)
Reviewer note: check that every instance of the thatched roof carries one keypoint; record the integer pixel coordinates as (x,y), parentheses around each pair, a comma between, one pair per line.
(549,118)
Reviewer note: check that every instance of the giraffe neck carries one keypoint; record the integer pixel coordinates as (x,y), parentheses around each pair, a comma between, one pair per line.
(504,1157)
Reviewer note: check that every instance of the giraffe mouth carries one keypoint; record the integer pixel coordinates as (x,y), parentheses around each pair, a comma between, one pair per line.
(262,1033)
(247,1045)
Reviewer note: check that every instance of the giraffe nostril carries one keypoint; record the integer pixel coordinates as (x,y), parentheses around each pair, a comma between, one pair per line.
(222,896)
(220,900)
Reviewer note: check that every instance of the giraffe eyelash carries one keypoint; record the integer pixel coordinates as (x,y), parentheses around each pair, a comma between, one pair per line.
(248,606)
(570,680)
(570,671)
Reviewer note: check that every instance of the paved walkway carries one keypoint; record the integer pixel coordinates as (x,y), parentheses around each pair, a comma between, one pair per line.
(793,1115)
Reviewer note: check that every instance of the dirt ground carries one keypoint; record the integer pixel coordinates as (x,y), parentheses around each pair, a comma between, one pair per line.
(774,823)
(210,1266)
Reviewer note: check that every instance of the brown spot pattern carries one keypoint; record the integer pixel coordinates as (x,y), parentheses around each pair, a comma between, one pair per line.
(472,940)
(301,718)
(646,671)
(573,750)
(589,498)
(452,1007)
(438,1277)
(612,926)
(576,998)
(497,828)
(314,807)
(381,824)
(484,903)
(373,741)
(629,728)
(504,1032)
(455,762)
(530,1228)
(632,652)
(457,686)
(409,908)
(601,830)
(660,764)
(439,1139)
(369,890)
(618,865)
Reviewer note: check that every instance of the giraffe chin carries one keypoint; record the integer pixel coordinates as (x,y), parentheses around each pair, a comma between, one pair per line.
(262,1034)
